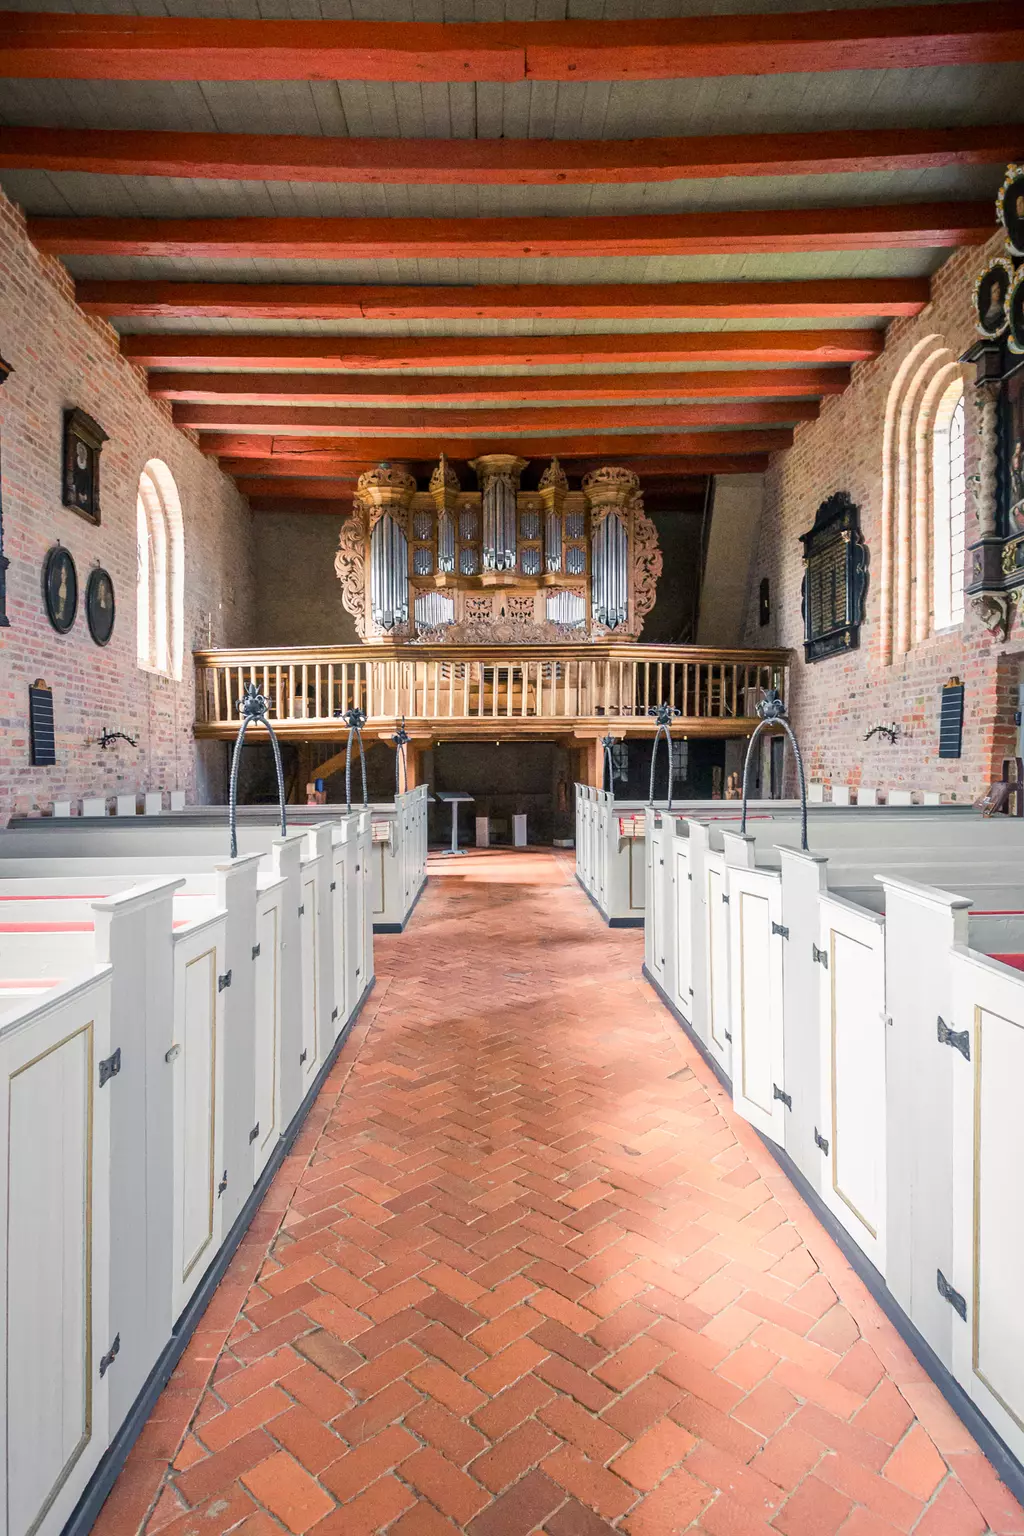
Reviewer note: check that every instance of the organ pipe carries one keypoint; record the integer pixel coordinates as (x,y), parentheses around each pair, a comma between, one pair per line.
(610,573)
(389,574)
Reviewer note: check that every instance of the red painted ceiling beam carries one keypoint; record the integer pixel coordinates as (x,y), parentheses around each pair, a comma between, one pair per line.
(87,47)
(397,389)
(333,488)
(671,494)
(825,298)
(565,418)
(163,350)
(741,232)
(516,162)
(288,455)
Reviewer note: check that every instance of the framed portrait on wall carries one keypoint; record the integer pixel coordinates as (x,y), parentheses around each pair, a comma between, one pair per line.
(80,476)
(99,605)
(60,589)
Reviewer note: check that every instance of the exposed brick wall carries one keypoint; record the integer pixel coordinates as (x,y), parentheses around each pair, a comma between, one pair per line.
(61,358)
(835,702)
(298,595)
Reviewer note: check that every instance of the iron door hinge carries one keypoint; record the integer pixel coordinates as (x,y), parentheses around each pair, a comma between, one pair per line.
(222,1186)
(303,1057)
(689,876)
(781,930)
(256,951)
(959,1039)
(107,1360)
(725,898)
(950,1294)
(334,1014)
(728,1035)
(334,885)
(302,909)
(819,956)
(254,1133)
(358,868)
(821,1141)
(110,1066)
(784,1098)
(223,981)
(172,1054)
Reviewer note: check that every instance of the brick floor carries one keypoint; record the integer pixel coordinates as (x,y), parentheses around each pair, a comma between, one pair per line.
(525,1270)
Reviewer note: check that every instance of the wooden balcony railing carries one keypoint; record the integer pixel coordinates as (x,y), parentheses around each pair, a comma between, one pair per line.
(465,690)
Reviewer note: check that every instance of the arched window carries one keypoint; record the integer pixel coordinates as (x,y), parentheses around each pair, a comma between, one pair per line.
(922,533)
(161,571)
(948,509)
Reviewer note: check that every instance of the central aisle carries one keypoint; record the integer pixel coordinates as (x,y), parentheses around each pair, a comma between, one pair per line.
(527,1271)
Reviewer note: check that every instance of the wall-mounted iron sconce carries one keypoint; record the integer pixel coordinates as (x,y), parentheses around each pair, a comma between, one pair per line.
(890,731)
(108,738)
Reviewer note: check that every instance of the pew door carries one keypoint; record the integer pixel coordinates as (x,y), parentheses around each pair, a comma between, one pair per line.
(682,975)
(196,1059)
(716,958)
(753,917)
(344,1000)
(308,926)
(988,1214)
(851,957)
(55,1323)
(654,917)
(267,1127)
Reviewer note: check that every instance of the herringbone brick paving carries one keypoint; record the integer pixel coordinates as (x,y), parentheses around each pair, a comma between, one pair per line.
(527,1271)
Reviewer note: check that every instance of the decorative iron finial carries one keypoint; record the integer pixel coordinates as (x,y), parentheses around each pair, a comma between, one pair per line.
(252,705)
(401,737)
(772,706)
(664,714)
(354,718)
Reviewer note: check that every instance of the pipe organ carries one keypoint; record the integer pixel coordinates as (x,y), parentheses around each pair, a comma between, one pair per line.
(498,564)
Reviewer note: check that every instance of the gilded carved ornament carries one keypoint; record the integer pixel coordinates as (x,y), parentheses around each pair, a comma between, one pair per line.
(996,611)
(350,565)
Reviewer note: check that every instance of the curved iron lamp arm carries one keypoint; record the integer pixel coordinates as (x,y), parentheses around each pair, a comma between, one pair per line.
(773,712)
(254,708)
(608,771)
(355,719)
(401,739)
(664,714)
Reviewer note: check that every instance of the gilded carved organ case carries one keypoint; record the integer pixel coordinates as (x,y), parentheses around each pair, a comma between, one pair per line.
(498,564)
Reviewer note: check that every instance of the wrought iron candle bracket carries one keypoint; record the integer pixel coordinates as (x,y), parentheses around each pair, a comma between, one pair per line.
(253,708)
(891,731)
(355,719)
(401,739)
(107,738)
(664,714)
(608,771)
(772,711)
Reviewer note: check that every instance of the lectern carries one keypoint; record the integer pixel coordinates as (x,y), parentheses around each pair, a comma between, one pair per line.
(454,798)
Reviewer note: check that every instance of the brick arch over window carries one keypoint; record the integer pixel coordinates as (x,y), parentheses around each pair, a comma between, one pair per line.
(161,571)
(921,399)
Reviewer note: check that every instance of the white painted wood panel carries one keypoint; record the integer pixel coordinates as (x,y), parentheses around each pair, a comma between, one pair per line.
(267,1106)
(198,1131)
(988,1227)
(756,998)
(853,1048)
(54,1275)
(682,985)
(310,978)
(716,921)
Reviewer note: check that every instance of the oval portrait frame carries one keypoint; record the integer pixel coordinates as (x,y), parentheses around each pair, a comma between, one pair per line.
(1001,268)
(100,627)
(61,612)
(1011,192)
(1015,314)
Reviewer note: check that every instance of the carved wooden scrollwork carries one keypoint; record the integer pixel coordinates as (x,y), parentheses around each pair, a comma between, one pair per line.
(350,565)
(648,564)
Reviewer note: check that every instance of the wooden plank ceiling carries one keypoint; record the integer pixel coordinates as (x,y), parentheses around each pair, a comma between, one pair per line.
(612,230)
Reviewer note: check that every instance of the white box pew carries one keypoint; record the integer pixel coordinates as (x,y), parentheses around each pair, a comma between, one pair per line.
(399,858)
(55,1206)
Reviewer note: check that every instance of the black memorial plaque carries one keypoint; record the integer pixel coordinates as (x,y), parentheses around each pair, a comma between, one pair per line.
(40,719)
(951,719)
(835,575)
